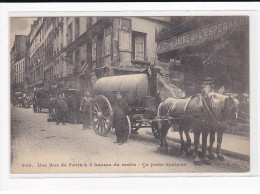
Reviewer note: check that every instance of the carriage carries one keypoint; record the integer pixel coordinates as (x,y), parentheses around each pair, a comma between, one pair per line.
(140,92)
(17,98)
(40,99)
(22,99)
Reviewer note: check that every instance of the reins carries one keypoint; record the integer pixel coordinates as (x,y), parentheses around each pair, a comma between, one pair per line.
(209,110)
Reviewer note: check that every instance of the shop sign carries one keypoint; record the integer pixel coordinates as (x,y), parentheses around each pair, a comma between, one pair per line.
(198,36)
(108,45)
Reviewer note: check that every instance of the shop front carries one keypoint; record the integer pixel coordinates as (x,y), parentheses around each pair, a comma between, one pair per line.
(216,53)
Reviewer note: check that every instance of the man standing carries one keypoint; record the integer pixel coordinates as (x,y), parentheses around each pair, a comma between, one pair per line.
(72,106)
(121,109)
(85,109)
(61,110)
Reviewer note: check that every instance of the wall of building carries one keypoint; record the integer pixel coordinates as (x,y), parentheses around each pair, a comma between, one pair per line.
(148,27)
(20,71)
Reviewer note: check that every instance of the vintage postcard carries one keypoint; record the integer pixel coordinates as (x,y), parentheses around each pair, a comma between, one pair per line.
(129,94)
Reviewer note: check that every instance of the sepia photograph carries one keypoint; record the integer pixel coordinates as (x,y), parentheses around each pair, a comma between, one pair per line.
(129,94)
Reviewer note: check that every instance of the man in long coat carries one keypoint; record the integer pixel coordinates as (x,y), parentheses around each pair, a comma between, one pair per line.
(121,109)
(61,110)
(85,109)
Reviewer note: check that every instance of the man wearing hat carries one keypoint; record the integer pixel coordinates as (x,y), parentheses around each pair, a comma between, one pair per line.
(121,109)
(85,109)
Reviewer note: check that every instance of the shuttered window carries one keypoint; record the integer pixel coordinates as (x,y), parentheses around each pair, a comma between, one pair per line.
(139,46)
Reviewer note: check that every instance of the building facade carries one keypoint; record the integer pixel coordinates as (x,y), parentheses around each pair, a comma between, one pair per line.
(208,50)
(72,52)
(17,56)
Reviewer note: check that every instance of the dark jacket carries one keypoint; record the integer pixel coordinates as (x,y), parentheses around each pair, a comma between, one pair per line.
(121,109)
(86,103)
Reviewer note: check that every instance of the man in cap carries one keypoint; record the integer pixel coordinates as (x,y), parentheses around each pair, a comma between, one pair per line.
(85,109)
(121,109)
(61,110)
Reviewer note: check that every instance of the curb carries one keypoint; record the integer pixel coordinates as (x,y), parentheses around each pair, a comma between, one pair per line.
(224,152)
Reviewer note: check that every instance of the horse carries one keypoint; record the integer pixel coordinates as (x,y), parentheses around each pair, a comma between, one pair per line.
(224,113)
(187,113)
(208,114)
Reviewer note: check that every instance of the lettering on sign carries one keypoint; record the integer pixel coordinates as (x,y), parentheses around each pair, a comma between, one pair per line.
(198,36)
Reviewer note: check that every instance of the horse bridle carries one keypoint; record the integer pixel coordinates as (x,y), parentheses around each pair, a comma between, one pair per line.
(211,114)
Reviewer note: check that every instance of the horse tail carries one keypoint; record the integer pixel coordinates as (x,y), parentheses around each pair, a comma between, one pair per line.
(159,116)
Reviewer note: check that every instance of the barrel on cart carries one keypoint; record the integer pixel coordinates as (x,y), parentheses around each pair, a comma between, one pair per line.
(139,92)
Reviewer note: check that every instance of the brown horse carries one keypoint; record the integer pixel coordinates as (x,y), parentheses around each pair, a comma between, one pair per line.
(224,113)
(211,113)
(188,113)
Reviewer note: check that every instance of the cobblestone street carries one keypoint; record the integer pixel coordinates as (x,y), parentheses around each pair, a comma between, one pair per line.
(39,146)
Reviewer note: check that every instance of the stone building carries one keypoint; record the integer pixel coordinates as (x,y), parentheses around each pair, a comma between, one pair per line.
(17,62)
(73,52)
(208,50)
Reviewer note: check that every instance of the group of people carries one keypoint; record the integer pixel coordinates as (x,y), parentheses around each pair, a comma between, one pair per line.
(61,108)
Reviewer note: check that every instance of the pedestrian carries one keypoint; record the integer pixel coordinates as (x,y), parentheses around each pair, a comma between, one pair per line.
(51,105)
(85,109)
(121,110)
(72,108)
(61,109)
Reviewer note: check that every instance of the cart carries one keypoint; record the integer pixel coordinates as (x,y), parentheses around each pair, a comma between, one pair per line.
(139,90)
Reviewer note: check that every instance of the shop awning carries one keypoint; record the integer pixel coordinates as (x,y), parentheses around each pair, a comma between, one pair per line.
(198,36)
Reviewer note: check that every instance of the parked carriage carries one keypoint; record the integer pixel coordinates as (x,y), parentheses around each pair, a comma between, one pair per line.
(22,99)
(40,99)
(140,92)
(17,98)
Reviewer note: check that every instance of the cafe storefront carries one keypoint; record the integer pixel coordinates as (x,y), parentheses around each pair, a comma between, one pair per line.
(217,52)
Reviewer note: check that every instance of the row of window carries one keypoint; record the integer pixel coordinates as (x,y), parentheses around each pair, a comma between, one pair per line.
(19,78)
(20,66)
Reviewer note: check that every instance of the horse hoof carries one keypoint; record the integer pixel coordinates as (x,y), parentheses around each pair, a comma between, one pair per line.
(211,156)
(221,157)
(206,161)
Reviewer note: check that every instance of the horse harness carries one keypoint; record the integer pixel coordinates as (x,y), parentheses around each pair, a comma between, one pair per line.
(184,110)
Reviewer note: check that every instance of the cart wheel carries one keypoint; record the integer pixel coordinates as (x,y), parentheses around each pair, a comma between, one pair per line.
(129,128)
(101,115)
(155,130)
(136,126)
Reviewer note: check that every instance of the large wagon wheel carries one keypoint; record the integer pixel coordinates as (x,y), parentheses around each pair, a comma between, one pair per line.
(155,130)
(101,115)
(129,128)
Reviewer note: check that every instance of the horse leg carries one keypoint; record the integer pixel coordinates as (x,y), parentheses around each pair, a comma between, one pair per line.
(219,141)
(212,140)
(204,146)
(196,159)
(182,140)
(163,143)
(188,144)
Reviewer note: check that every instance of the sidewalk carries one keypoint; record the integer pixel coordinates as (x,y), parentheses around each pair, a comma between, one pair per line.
(232,145)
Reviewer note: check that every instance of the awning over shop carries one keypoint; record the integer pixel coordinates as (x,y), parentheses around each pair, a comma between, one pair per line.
(198,36)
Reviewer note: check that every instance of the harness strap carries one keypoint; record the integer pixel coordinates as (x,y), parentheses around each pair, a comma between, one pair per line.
(185,107)
(209,110)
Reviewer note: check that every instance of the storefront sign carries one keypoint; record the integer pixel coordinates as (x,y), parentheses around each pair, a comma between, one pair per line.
(198,36)
(108,45)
